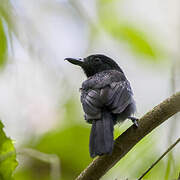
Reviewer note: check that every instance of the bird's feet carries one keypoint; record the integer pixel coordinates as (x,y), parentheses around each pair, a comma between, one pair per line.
(134,120)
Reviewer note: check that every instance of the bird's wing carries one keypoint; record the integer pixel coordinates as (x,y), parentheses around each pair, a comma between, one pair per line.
(117,96)
(91,103)
(109,89)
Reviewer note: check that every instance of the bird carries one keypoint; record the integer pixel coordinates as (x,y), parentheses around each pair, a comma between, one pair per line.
(106,98)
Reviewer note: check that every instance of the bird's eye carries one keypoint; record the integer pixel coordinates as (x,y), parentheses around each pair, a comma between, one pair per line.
(97,60)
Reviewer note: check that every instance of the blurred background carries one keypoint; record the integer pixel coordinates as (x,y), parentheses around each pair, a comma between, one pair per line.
(39,91)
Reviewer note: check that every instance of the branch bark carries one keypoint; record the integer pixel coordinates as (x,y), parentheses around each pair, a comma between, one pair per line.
(127,140)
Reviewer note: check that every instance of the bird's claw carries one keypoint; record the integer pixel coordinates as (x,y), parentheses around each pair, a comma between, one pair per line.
(134,120)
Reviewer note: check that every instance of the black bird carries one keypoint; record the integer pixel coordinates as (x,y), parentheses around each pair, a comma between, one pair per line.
(107,99)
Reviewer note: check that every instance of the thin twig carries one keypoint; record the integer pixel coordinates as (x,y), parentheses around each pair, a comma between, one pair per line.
(169,149)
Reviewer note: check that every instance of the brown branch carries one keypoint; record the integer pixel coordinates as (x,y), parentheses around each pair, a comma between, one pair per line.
(169,149)
(127,140)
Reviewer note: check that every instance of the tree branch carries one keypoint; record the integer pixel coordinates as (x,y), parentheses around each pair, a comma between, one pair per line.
(127,140)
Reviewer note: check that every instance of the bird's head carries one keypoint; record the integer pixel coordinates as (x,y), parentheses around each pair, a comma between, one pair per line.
(95,63)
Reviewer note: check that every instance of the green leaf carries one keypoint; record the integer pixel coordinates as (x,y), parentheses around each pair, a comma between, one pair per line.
(106,1)
(3,44)
(8,161)
(136,39)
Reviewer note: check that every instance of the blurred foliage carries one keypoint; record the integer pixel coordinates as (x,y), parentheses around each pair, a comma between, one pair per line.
(172,169)
(70,143)
(3,44)
(71,146)
(8,161)
(6,11)
(6,29)
(137,40)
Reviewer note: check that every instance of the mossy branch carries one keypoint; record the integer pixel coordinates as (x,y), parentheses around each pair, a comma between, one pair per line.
(127,140)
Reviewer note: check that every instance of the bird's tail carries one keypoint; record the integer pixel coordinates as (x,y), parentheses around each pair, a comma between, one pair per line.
(101,137)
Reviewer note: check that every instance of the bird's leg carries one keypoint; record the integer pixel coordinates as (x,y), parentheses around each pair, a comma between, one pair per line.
(134,120)
(88,120)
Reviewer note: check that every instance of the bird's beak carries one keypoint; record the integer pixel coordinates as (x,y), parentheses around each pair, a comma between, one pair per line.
(78,61)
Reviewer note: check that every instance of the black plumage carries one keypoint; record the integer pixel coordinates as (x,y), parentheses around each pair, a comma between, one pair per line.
(106,98)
